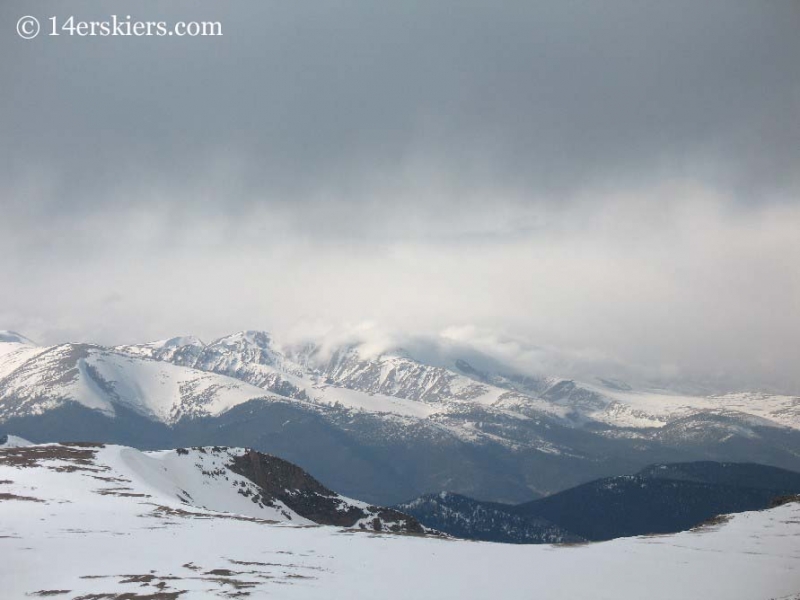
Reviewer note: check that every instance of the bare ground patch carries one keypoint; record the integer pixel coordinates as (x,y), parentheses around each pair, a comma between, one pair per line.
(711,524)
(110,479)
(123,492)
(162,511)
(225,582)
(4,496)
(132,596)
(78,457)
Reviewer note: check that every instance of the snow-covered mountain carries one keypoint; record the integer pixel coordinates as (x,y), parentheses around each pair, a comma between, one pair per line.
(88,521)
(196,481)
(36,380)
(409,426)
(306,372)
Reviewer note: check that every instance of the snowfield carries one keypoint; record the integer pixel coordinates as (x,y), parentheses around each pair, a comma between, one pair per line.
(81,521)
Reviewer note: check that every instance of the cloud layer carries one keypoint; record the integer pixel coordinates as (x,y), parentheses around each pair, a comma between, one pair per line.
(614,183)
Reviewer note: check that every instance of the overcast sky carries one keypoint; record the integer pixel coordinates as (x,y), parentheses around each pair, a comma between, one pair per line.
(616,184)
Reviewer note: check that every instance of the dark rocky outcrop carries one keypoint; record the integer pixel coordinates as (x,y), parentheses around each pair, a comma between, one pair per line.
(285,482)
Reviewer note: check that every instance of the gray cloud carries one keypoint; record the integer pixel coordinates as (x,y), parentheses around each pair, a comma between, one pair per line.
(616,180)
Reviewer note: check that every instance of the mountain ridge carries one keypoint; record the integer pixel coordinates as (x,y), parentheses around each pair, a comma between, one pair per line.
(659,499)
(415,428)
(205,478)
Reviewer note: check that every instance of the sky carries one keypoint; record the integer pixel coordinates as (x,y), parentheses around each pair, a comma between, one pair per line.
(581,187)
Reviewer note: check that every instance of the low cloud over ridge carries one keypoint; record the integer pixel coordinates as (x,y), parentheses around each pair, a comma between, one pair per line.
(614,181)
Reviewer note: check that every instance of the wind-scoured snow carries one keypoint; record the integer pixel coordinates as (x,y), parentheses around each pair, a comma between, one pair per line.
(106,522)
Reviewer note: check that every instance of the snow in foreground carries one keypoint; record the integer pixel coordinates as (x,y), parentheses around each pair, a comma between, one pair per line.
(113,526)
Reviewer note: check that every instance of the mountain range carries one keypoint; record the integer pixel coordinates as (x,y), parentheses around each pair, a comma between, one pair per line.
(382,426)
(659,499)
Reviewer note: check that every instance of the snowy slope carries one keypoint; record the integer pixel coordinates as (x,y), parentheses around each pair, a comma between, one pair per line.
(164,391)
(664,406)
(14,353)
(252,357)
(234,481)
(35,380)
(75,525)
(397,374)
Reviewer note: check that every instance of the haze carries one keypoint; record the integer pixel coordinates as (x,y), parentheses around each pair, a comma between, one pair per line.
(581,187)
